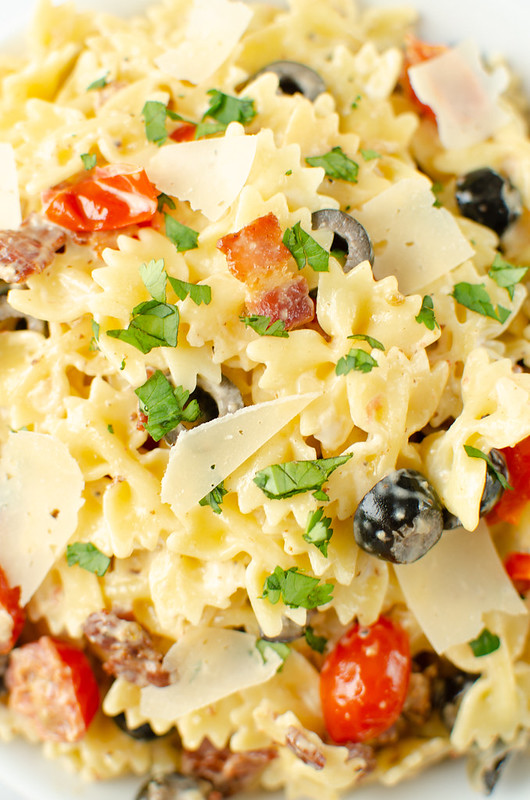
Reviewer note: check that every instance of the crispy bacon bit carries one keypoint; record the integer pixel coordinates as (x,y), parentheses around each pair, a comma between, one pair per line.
(29,249)
(362,752)
(416,52)
(303,748)
(256,253)
(288,302)
(418,706)
(228,772)
(126,649)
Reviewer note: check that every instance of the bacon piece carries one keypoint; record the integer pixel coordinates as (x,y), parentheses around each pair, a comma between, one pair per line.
(29,249)
(288,302)
(303,748)
(126,649)
(256,253)
(228,772)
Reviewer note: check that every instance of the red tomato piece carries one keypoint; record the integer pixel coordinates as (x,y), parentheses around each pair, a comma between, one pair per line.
(256,252)
(288,302)
(105,198)
(517,565)
(51,682)
(12,615)
(185,132)
(416,52)
(364,681)
(512,503)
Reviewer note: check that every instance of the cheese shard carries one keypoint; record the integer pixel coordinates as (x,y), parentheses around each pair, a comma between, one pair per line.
(40,497)
(209,663)
(10,214)
(204,456)
(455,584)
(413,239)
(209,173)
(462,95)
(213,31)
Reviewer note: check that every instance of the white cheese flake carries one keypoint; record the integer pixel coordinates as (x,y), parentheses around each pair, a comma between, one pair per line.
(204,456)
(462,94)
(40,497)
(209,173)
(451,588)
(10,214)
(413,239)
(209,664)
(214,28)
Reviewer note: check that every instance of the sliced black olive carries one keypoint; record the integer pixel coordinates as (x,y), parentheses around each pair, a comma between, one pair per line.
(400,518)
(493,491)
(350,235)
(448,684)
(487,197)
(214,399)
(484,767)
(143,733)
(289,633)
(175,786)
(295,77)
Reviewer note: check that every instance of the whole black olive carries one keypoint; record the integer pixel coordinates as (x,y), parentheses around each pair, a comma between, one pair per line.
(175,786)
(492,493)
(295,77)
(400,518)
(143,733)
(487,197)
(351,235)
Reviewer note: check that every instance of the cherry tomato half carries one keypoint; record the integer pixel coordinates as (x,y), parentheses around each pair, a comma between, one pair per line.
(364,681)
(51,683)
(12,616)
(105,198)
(416,52)
(517,565)
(511,504)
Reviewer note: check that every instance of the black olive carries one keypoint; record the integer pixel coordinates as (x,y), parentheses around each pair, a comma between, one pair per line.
(487,197)
(350,235)
(295,77)
(289,633)
(143,733)
(485,767)
(175,786)
(400,518)
(214,399)
(493,490)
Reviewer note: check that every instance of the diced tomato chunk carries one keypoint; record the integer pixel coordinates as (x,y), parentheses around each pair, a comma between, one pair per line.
(52,684)
(12,615)
(256,252)
(416,52)
(105,198)
(288,302)
(185,132)
(517,565)
(512,503)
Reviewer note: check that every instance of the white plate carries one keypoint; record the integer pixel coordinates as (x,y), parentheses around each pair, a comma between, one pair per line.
(498,28)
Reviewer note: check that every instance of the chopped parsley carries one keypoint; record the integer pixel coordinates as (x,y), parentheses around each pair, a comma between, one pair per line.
(375,343)
(110,428)
(88,557)
(296,589)
(89,160)
(474,452)
(317,643)
(198,293)
(318,531)
(281,648)
(506,275)
(153,324)
(165,200)
(183,238)
(155,114)
(485,643)
(262,325)
(336,165)
(295,477)
(369,154)
(94,342)
(99,83)
(224,109)
(165,405)
(475,297)
(305,250)
(214,499)
(358,360)
(437,188)
(426,314)
(356,101)
(154,277)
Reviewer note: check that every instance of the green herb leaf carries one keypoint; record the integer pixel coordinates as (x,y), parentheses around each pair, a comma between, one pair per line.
(123,362)
(318,531)
(89,160)
(224,109)
(295,477)
(88,557)
(165,405)
(506,275)
(305,250)
(198,293)
(475,297)
(281,648)
(358,360)
(317,643)
(375,343)
(436,189)
(296,589)
(153,324)
(485,643)
(99,83)
(426,314)
(369,155)
(214,499)
(110,428)
(355,103)
(154,277)
(183,238)
(264,327)
(94,342)
(474,452)
(336,165)
(165,200)
(154,113)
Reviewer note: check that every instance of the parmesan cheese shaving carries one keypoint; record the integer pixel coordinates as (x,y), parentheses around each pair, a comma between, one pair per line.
(10,214)
(204,456)
(413,240)
(210,663)
(40,496)
(209,173)
(214,29)
(463,96)
(451,588)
